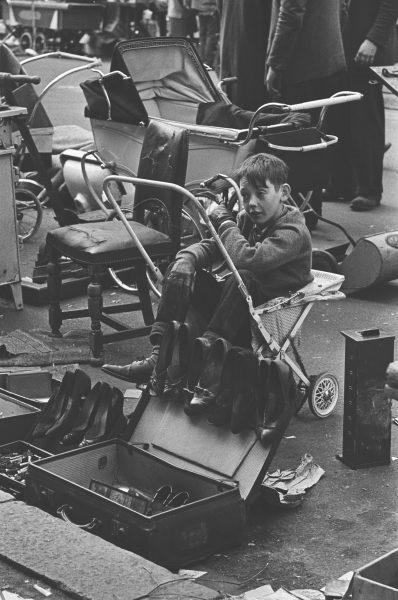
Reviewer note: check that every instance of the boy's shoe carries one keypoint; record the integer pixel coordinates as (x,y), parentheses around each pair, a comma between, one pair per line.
(363,203)
(139,371)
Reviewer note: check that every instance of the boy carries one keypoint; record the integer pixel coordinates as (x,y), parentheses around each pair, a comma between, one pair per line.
(270,246)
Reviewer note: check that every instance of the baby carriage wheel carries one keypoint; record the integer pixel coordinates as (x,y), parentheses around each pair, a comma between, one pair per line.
(323,394)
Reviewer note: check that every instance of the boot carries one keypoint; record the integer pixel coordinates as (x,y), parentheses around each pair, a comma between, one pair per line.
(80,389)
(209,381)
(243,399)
(139,371)
(177,371)
(281,405)
(84,418)
(200,349)
(220,412)
(167,345)
(54,407)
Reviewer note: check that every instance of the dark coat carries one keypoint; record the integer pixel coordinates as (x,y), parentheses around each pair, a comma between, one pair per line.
(243,46)
(305,41)
(374,20)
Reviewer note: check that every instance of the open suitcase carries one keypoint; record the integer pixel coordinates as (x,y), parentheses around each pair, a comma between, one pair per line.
(218,469)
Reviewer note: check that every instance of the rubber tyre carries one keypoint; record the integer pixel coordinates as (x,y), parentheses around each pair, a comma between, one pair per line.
(25,41)
(28,205)
(323,394)
(322,260)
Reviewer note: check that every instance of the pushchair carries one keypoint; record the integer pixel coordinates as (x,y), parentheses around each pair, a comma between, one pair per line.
(164,79)
(275,324)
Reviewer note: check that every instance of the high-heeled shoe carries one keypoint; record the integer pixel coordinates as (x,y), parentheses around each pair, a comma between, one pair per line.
(169,339)
(80,389)
(54,407)
(84,418)
(109,412)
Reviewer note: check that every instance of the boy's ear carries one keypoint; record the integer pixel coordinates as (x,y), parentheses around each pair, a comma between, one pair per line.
(286,190)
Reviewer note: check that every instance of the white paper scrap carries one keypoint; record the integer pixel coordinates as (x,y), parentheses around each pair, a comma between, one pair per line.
(280,594)
(260,593)
(308,594)
(7,595)
(193,574)
(42,590)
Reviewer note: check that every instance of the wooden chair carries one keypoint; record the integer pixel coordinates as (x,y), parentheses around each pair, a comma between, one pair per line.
(98,246)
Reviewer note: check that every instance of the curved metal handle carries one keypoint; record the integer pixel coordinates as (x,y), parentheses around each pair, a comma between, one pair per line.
(331,139)
(61,511)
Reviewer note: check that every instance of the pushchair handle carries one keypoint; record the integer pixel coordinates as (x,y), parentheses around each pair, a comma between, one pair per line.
(329,141)
(275,107)
(179,190)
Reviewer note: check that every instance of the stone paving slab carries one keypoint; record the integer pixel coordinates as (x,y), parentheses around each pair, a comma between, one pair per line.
(4,497)
(83,564)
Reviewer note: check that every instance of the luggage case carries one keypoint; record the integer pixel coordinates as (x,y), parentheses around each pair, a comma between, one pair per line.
(11,481)
(17,418)
(217,468)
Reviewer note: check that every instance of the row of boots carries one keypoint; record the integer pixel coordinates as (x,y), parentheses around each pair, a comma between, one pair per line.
(227,383)
(79,415)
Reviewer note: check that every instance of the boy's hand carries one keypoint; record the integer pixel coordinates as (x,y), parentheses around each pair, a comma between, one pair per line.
(183,267)
(219,215)
(366,53)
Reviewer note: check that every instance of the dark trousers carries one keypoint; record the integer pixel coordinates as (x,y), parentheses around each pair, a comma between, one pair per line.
(209,27)
(220,305)
(336,123)
(367,134)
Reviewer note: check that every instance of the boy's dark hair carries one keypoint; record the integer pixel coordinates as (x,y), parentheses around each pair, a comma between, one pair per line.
(259,168)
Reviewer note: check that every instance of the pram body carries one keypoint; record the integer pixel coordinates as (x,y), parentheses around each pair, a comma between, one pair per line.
(170,83)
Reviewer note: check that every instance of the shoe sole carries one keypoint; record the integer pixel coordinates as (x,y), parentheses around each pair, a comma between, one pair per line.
(123,378)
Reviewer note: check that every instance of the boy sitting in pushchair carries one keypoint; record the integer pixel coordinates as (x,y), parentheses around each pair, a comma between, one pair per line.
(270,246)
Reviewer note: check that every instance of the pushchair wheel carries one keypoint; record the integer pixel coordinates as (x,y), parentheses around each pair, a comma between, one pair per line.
(323,394)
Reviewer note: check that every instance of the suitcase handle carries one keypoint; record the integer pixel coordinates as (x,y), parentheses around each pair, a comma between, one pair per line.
(61,511)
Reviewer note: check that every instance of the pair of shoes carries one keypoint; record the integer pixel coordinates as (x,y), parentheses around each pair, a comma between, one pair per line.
(139,371)
(277,399)
(363,203)
(108,420)
(178,369)
(235,402)
(63,405)
(85,417)
(209,378)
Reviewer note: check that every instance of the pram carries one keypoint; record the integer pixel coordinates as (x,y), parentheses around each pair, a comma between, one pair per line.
(276,324)
(169,82)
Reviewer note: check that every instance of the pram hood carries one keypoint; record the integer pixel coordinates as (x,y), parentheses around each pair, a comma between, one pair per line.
(168,81)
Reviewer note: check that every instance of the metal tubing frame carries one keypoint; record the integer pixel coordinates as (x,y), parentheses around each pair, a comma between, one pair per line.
(90,62)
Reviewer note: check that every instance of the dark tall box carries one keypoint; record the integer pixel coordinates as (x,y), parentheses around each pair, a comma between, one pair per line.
(367,410)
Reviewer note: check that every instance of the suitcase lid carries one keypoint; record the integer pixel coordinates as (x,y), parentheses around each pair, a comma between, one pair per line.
(11,406)
(191,442)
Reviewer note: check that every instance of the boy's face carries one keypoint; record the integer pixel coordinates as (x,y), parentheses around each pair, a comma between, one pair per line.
(262,204)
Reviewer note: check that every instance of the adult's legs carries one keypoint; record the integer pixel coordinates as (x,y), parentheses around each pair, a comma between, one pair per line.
(367,138)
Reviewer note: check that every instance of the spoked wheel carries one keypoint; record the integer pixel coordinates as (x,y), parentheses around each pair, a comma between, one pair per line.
(29,213)
(323,394)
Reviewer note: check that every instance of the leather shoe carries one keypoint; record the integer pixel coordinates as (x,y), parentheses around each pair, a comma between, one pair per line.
(220,412)
(80,389)
(363,203)
(200,349)
(209,381)
(55,406)
(138,371)
(281,403)
(167,345)
(243,400)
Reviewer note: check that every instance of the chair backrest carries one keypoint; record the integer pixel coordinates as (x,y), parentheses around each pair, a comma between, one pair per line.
(164,157)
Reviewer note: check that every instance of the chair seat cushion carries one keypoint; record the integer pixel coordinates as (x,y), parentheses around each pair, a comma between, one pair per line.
(107,243)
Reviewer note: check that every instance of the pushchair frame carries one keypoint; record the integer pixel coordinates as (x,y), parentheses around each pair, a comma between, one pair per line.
(324,287)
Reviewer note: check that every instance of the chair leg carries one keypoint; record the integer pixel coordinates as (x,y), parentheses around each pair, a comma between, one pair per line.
(54,283)
(95,303)
(144,295)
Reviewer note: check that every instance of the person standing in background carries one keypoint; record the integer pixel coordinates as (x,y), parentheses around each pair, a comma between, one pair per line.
(209,27)
(182,21)
(306,62)
(243,45)
(370,38)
